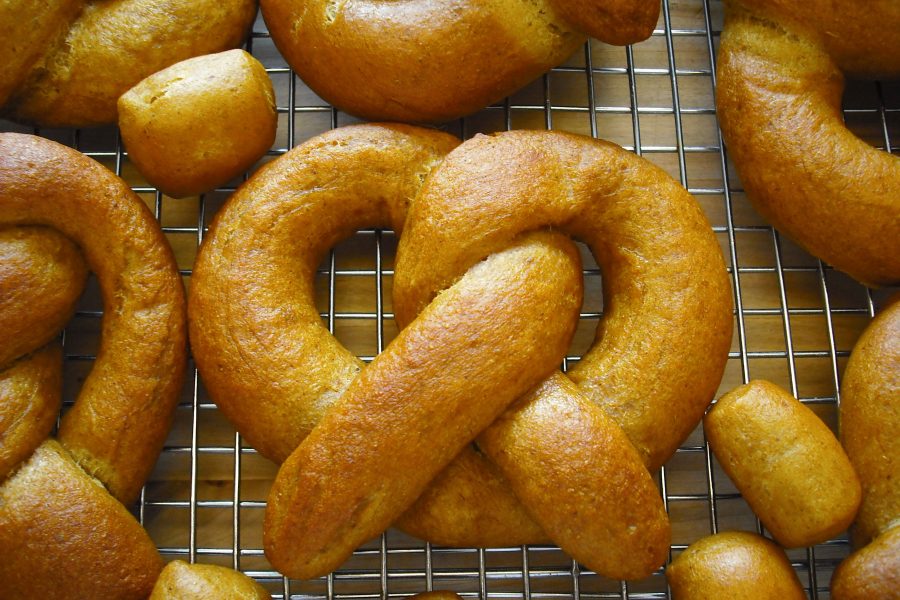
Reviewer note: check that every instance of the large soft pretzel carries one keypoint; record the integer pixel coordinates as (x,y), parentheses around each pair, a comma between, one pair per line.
(64,532)
(421,60)
(498,288)
(781,73)
(66,62)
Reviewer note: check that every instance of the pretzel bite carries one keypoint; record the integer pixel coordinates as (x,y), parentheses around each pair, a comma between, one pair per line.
(736,565)
(872,572)
(766,441)
(200,122)
(181,581)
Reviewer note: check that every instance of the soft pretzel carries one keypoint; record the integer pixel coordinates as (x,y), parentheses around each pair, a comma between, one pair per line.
(67,62)
(498,306)
(181,581)
(871,572)
(430,61)
(870,422)
(870,432)
(780,74)
(64,532)
(733,564)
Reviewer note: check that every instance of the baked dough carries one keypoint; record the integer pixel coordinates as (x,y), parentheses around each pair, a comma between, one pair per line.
(64,532)
(780,76)
(199,123)
(182,581)
(71,60)
(872,572)
(733,564)
(870,422)
(429,61)
(279,374)
(870,431)
(766,440)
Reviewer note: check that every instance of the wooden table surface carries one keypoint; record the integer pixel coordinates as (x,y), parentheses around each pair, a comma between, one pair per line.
(798,320)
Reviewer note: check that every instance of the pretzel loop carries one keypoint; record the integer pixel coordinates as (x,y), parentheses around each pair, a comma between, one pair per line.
(780,80)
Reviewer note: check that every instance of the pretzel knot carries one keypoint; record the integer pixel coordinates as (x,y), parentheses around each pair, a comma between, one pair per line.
(780,80)
(62,534)
(487,290)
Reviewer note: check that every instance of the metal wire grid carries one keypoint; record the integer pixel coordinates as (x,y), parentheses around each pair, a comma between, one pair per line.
(206,500)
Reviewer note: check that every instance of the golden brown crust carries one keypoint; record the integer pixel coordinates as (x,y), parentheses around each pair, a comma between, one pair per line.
(469,504)
(24,41)
(862,43)
(42,274)
(63,536)
(199,123)
(293,369)
(870,422)
(124,410)
(873,572)
(429,61)
(778,100)
(637,221)
(332,185)
(447,376)
(551,440)
(766,440)
(618,22)
(182,581)
(114,45)
(475,203)
(736,565)
(30,392)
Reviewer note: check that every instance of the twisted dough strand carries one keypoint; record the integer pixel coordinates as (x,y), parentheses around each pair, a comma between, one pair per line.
(122,415)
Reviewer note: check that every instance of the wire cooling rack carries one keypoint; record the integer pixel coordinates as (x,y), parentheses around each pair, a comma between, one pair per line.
(796,320)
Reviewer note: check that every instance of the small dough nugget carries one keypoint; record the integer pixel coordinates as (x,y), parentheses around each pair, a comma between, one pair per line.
(733,565)
(182,581)
(200,122)
(873,572)
(786,462)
